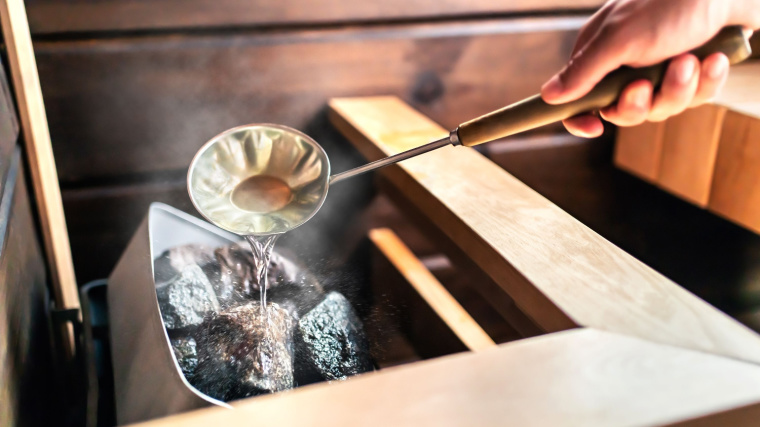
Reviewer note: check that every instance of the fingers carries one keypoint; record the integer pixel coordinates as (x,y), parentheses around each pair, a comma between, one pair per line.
(585,126)
(591,27)
(586,69)
(678,88)
(632,109)
(712,78)
(687,83)
(633,106)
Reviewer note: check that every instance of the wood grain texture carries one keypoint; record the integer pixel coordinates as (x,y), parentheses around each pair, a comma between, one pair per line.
(638,149)
(39,151)
(736,186)
(431,290)
(478,281)
(689,149)
(128,106)
(60,16)
(560,273)
(576,378)
(26,365)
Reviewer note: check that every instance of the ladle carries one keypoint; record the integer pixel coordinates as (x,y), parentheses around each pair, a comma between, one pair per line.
(264,179)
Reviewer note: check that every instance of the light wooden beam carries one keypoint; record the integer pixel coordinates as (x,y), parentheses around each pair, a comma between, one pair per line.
(559,272)
(576,378)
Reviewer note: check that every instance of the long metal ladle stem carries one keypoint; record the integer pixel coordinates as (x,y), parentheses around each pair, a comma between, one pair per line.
(422,149)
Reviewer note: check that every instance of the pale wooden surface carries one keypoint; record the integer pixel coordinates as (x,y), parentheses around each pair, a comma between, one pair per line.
(559,272)
(689,149)
(576,378)
(736,186)
(431,290)
(39,152)
(638,149)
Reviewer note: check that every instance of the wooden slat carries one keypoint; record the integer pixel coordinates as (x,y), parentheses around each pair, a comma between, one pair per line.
(57,16)
(736,187)
(431,290)
(128,106)
(689,149)
(479,281)
(576,378)
(560,273)
(638,149)
(40,154)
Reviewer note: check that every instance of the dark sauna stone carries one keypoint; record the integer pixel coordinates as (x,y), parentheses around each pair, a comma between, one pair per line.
(172,261)
(296,290)
(239,357)
(235,281)
(187,355)
(331,340)
(186,299)
(236,274)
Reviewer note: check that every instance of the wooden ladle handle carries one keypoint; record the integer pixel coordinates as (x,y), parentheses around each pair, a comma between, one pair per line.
(533,112)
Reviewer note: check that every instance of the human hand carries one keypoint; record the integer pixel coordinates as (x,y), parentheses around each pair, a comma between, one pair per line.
(639,33)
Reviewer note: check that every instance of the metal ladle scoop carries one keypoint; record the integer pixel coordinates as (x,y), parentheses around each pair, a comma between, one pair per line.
(264,179)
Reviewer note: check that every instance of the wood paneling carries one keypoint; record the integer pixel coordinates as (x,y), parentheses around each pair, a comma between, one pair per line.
(139,105)
(736,187)
(576,378)
(27,378)
(559,272)
(57,16)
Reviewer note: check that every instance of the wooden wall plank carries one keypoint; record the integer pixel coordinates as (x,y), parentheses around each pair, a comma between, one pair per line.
(736,187)
(146,104)
(689,149)
(559,272)
(578,378)
(58,16)
(28,383)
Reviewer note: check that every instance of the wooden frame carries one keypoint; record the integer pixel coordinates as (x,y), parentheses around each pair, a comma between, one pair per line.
(39,152)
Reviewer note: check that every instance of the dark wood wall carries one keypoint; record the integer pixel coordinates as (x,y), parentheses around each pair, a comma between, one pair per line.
(133,88)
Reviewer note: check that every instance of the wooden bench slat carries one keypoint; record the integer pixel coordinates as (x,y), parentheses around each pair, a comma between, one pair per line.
(559,272)
(583,377)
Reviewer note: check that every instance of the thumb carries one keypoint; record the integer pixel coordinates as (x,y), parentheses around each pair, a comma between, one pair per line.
(601,55)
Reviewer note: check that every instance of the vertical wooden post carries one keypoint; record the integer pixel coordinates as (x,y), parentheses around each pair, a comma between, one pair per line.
(26,85)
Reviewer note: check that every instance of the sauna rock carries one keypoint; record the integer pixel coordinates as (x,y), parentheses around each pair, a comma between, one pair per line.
(185,350)
(186,298)
(235,277)
(238,356)
(172,261)
(331,340)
